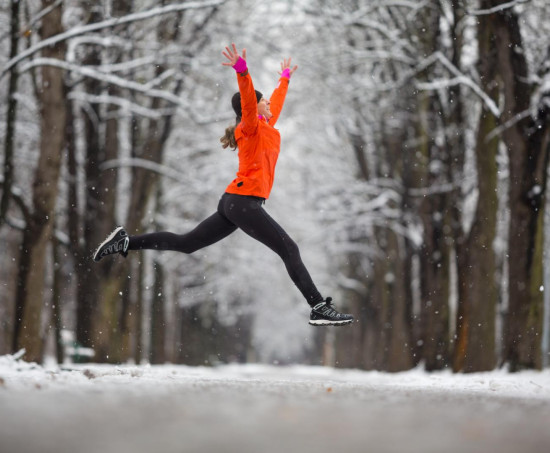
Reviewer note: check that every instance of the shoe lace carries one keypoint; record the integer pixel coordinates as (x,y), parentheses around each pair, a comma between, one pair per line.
(324,303)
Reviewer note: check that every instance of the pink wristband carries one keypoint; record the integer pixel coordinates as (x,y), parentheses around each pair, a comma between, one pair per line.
(286,73)
(240,66)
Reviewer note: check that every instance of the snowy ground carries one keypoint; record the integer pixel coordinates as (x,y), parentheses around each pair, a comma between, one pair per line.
(253,408)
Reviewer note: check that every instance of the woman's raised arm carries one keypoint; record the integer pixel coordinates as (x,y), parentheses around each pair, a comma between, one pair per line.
(249,103)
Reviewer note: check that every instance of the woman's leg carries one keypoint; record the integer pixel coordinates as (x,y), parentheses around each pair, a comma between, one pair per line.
(213,229)
(248,214)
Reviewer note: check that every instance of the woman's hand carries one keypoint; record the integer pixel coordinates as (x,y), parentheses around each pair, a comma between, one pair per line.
(286,70)
(233,56)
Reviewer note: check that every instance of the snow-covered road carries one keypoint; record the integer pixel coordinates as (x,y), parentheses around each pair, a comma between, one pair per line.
(259,409)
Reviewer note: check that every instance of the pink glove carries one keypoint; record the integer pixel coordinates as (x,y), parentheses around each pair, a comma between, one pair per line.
(240,66)
(286,73)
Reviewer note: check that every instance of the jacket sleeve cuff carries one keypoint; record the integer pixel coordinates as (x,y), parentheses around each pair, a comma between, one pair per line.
(286,73)
(240,66)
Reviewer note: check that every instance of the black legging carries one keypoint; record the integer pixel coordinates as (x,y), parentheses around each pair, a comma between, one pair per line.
(246,213)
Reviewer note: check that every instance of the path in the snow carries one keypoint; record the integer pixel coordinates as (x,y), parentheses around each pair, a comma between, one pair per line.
(106,409)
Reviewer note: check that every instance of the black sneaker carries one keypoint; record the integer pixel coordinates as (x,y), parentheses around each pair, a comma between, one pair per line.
(116,242)
(324,314)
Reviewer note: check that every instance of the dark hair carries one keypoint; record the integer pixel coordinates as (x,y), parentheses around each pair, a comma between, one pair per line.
(228,139)
(236,102)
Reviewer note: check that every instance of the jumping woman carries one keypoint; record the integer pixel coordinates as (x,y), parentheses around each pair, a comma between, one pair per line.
(241,206)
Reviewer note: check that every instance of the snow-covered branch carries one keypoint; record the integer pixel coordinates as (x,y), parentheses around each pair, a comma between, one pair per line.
(42,13)
(142,163)
(438,84)
(459,78)
(77,31)
(93,73)
(434,189)
(123,103)
(161,78)
(495,9)
(103,41)
(156,51)
(145,89)
(378,54)
(498,130)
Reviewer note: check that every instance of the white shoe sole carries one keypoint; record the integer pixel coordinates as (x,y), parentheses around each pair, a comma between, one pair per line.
(110,237)
(326,322)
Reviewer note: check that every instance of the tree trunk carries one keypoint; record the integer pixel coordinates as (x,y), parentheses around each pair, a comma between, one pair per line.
(98,216)
(9,264)
(151,147)
(112,337)
(11,114)
(157,352)
(56,314)
(475,326)
(45,187)
(434,253)
(400,356)
(203,340)
(475,329)
(84,230)
(434,313)
(137,269)
(350,343)
(527,141)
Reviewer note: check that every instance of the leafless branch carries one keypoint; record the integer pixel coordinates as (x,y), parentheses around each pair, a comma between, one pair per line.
(142,163)
(460,78)
(495,9)
(78,31)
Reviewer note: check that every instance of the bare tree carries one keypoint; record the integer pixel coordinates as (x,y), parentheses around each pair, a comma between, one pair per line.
(29,301)
(525,130)
(11,114)
(150,137)
(475,332)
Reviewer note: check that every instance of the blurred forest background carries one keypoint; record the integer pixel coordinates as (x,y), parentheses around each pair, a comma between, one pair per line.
(413,176)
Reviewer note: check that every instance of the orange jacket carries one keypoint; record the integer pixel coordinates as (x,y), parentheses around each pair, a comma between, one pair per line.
(257,140)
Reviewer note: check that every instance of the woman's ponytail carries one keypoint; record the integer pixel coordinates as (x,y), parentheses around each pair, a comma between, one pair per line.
(228,140)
